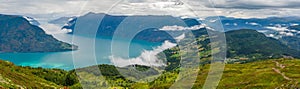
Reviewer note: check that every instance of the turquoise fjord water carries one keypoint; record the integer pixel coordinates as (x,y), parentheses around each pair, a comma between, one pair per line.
(64,60)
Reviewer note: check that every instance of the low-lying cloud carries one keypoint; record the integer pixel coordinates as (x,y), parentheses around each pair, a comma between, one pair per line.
(181,28)
(147,58)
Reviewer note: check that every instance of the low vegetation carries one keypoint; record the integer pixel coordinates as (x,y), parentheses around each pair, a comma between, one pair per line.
(254,61)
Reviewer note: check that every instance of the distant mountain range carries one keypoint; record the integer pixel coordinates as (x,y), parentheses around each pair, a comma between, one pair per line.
(148,27)
(17,34)
(285,29)
(272,26)
(32,20)
(20,35)
(254,45)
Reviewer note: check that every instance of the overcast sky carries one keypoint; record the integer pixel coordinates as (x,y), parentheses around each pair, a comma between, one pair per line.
(231,8)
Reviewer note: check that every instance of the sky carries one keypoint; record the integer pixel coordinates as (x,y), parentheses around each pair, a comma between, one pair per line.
(51,9)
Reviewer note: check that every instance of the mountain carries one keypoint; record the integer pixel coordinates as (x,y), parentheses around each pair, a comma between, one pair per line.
(281,32)
(291,41)
(276,27)
(16,77)
(147,27)
(270,26)
(231,23)
(253,45)
(285,29)
(243,46)
(19,35)
(62,21)
(283,73)
(32,20)
(292,38)
(295,27)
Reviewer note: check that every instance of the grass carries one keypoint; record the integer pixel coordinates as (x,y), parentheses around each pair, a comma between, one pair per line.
(253,75)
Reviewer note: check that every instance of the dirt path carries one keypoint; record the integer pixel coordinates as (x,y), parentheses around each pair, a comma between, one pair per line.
(283,75)
(2,80)
(279,72)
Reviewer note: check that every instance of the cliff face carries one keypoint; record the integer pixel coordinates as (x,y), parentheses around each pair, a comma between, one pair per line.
(18,35)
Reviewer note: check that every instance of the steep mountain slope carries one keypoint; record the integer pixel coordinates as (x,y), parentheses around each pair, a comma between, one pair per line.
(286,29)
(18,35)
(243,46)
(294,40)
(252,44)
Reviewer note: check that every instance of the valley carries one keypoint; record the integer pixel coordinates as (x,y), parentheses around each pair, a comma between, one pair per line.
(254,59)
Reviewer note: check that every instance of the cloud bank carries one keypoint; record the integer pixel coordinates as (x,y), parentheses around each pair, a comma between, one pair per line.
(50,9)
(147,58)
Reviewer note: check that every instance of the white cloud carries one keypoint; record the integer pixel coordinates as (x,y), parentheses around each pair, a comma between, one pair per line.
(52,28)
(45,9)
(181,28)
(147,58)
(252,23)
(53,8)
(179,38)
(280,29)
(286,33)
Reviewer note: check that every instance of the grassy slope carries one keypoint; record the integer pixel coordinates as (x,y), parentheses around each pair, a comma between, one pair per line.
(12,76)
(275,73)
(260,74)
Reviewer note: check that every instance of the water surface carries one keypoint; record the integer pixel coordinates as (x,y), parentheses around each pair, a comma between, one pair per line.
(64,60)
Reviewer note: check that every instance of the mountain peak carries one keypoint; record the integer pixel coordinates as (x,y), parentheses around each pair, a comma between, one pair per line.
(18,35)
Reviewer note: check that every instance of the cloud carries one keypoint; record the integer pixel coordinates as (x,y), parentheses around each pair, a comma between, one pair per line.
(256,4)
(181,28)
(51,9)
(282,31)
(52,28)
(147,58)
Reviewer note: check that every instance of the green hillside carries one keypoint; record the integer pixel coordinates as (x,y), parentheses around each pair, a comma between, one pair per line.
(258,62)
(18,35)
(252,44)
(273,73)
(12,76)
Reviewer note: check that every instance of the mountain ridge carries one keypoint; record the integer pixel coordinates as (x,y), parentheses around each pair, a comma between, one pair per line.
(18,35)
